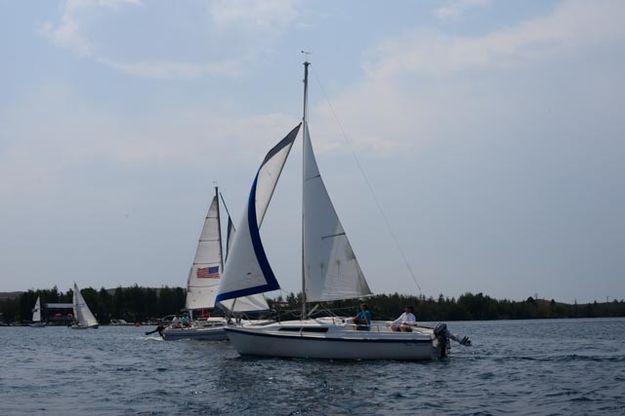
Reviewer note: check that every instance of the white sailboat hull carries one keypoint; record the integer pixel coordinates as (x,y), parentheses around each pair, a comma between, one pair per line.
(216,333)
(84,327)
(338,342)
(211,330)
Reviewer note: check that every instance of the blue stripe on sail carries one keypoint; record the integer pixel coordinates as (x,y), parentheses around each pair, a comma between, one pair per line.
(272,283)
(259,250)
(240,293)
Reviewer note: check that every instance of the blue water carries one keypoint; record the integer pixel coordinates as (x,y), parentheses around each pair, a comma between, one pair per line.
(521,367)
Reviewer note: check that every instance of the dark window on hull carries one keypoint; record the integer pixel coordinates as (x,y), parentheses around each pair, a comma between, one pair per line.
(304,329)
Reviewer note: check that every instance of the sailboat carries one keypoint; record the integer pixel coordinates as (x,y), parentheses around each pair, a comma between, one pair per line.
(203,282)
(36,321)
(330,271)
(83,317)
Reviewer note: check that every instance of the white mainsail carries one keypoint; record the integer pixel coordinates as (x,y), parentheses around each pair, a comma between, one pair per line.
(331,270)
(82,313)
(37,310)
(206,270)
(248,271)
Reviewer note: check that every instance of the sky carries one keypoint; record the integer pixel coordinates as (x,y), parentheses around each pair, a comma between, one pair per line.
(490,133)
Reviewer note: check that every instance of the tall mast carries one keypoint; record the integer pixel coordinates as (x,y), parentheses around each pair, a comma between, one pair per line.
(305,137)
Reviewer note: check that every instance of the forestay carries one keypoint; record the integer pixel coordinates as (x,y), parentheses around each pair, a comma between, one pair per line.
(331,271)
(206,270)
(248,270)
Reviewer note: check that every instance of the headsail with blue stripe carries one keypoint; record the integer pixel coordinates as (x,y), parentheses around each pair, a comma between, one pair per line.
(248,271)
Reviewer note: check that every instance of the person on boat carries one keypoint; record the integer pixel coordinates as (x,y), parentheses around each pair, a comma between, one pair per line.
(175,322)
(405,322)
(363,318)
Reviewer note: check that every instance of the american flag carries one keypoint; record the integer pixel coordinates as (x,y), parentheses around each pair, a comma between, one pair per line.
(208,272)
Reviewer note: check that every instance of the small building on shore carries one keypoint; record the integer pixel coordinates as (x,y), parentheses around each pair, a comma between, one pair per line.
(59,313)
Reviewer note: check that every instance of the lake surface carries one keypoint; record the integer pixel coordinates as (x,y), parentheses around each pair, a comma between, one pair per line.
(520,367)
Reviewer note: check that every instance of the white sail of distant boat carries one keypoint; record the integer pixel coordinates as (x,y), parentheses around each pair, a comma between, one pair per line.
(206,269)
(203,282)
(330,271)
(37,310)
(82,314)
(36,319)
(207,266)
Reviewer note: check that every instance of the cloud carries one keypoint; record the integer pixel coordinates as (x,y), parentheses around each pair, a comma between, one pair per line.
(164,48)
(174,70)
(270,15)
(68,32)
(572,25)
(71,136)
(456,9)
(414,83)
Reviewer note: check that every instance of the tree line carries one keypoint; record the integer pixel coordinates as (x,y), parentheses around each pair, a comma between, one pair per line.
(138,304)
(133,304)
(468,306)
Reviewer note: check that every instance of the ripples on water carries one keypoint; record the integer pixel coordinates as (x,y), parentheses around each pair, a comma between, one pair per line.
(527,367)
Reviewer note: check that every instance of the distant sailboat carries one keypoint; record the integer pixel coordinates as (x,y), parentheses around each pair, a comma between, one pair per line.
(36,321)
(203,282)
(83,317)
(330,271)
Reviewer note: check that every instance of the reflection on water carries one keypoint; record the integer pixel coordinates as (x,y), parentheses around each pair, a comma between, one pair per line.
(540,367)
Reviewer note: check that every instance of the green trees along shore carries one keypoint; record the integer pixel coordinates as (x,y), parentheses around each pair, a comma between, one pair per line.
(134,304)
(139,304)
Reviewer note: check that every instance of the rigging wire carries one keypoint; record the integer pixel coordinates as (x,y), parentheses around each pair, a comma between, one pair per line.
(369,185)
(223,201)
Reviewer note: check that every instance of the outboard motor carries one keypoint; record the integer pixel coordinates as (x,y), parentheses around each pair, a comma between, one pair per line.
(442,337)
(440,329)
